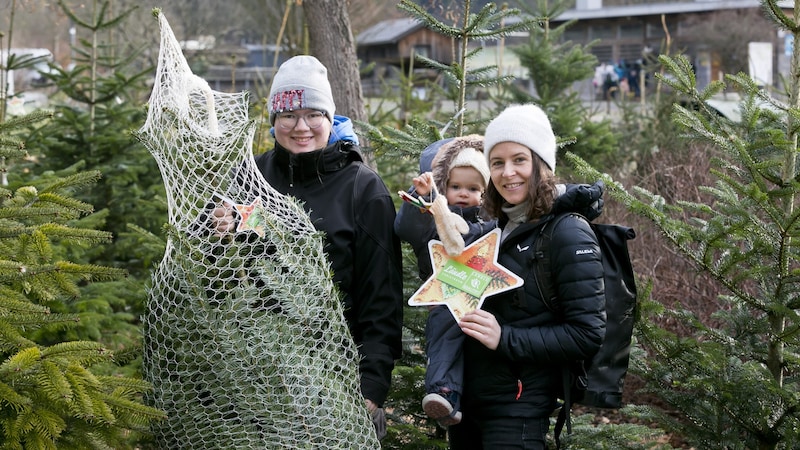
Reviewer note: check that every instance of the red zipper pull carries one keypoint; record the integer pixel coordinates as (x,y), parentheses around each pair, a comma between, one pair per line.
(519,389)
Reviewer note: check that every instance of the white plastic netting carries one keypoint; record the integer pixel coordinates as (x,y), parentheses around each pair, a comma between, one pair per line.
(246,343)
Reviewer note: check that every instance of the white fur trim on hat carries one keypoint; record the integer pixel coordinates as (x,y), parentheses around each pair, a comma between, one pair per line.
(301,83)
(524,124)
(467,150)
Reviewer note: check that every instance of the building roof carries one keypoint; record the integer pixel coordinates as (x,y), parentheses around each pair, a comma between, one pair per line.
(393,30)
(610,12)
(388,31)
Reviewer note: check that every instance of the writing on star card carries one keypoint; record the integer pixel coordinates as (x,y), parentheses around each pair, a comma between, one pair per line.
(462,282)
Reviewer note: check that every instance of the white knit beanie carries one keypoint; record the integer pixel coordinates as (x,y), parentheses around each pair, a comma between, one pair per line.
(524,124)
(301,83)
(471,157)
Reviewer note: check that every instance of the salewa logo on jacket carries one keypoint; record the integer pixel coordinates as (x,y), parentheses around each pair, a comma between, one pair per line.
(522,249)
(584,251)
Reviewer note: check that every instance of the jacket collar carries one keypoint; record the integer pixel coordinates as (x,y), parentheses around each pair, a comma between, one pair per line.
(311,165)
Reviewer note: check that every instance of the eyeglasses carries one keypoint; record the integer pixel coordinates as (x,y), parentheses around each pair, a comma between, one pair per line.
(289,120)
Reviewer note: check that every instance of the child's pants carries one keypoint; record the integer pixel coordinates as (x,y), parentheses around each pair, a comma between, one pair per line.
(445,352)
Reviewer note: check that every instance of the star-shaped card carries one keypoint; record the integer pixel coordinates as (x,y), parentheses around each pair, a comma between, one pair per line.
(464,281)
(251,217)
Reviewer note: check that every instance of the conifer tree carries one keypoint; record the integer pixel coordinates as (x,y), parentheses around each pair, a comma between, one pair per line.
(486,24)
(99,103)
(732,382)
(51,393)
(554,65)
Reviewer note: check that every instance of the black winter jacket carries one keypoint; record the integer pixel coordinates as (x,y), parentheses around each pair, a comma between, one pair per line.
(522,377)
(349,202)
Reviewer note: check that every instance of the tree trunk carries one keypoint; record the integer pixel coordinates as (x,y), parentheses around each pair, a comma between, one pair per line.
(332,42)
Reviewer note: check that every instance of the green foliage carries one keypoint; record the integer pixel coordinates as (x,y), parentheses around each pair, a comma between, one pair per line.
(733,379)
(554,66)
(590,436)
(91,126)
(98,103)
(410,427)
(51,393)
(408,142)
(460,77)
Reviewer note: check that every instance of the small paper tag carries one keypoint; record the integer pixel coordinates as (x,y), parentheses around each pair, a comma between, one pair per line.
(464,278)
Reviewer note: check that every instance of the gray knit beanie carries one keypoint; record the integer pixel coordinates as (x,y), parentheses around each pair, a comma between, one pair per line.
(301,83)
(524,124)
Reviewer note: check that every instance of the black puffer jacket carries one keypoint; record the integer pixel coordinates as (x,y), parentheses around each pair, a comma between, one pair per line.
(350,203)
(522,377)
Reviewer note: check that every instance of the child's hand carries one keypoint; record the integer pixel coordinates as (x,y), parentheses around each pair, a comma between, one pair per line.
(222,220)
(423,183)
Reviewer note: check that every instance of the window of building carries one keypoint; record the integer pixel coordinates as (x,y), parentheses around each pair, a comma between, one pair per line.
(575,34)
(422,50)
(604,53)
(631,31)
(603,32)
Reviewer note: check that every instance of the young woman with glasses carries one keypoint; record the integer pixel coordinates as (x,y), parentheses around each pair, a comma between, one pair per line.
(316,159)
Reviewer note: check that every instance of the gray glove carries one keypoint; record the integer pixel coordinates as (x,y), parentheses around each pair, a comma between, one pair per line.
(379,420)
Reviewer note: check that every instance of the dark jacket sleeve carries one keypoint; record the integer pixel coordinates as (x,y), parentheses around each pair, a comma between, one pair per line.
(578,278)
(416,227)
(377,287)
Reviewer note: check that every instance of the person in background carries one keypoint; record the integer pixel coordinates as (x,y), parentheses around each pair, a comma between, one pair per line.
(515,346)
(316,159)
(458,170)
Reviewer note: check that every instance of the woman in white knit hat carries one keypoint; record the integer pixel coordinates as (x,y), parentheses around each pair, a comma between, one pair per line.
(516,346)
(316,159)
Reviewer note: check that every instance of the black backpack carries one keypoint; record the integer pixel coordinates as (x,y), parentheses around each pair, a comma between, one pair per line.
(597,382)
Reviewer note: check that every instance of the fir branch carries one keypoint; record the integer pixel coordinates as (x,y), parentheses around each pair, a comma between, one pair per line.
(12,123)
(9,396)
(28,215)
(83,352)
(11,340)
(73,181)
(70,204)
(21,362)
(53,382)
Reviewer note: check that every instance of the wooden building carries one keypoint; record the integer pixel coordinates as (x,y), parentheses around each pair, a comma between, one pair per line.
(391,46)
(625,33)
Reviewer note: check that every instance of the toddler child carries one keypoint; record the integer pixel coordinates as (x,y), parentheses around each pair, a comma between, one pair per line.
(459,170)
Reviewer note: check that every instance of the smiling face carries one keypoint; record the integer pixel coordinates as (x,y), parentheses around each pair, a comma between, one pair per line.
(511,167)
(464,187)
(301,138)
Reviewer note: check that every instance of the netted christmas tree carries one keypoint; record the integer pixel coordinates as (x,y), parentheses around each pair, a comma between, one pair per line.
(245,337)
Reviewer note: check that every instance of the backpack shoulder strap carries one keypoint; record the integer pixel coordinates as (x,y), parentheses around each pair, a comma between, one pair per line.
(543,274)
(542,264)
